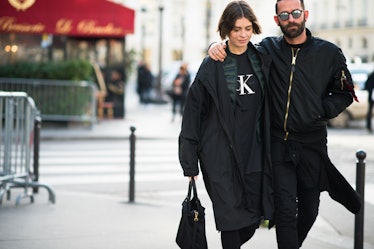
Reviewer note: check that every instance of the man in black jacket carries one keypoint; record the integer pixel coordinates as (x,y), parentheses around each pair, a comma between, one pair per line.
(309,84)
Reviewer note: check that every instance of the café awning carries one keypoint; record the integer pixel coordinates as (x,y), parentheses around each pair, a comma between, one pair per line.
(89,18)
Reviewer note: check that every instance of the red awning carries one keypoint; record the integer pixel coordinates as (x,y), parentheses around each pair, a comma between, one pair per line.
(94,18)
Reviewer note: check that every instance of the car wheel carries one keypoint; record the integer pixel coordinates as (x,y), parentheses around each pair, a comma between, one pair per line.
(340,121)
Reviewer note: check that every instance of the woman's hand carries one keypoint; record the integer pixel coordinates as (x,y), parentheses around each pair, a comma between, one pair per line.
(217,51)
(194,177)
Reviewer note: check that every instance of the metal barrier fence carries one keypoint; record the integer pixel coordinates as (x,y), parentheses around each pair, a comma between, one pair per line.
(58,100)
(17,119)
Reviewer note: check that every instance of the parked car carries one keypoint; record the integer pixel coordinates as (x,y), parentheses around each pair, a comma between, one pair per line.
(357,110)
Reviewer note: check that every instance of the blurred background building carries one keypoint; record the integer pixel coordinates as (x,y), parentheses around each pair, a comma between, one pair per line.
(118,35)
(182,30)
(347,23)
(167,31)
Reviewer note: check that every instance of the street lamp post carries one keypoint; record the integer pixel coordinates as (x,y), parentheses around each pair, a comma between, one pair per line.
(143,10)
(208,17)
(183,33)
(160,8)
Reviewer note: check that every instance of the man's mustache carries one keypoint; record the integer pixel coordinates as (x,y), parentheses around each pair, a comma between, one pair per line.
(290,25)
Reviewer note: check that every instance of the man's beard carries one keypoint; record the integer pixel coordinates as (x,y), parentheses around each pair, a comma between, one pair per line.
(293,33)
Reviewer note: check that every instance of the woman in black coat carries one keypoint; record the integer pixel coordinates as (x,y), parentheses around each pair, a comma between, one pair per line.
(225,130)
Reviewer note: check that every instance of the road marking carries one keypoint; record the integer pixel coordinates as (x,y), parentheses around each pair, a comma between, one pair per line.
(110,178)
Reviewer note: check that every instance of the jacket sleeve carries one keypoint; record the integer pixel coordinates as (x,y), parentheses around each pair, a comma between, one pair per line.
(340,92)
(190,135)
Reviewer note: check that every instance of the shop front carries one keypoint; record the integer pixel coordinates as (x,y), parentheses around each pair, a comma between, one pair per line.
(44,30)
(61,30)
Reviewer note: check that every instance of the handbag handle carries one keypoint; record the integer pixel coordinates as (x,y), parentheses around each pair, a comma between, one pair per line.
(191,186)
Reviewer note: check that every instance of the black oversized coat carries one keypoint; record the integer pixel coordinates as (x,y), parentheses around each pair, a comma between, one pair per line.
(207,138)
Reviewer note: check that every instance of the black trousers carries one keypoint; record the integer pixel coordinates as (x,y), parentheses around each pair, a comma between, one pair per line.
(369,115)
(296,197)
(235,239)
(178,100)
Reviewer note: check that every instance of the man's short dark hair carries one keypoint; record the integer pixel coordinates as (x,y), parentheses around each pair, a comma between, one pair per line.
(276,5)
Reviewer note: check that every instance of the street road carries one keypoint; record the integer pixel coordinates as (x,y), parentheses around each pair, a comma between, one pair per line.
(89,172)
(342,146)
(102,167)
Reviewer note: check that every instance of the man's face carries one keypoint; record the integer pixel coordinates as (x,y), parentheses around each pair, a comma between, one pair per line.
(293,26)
(292,29)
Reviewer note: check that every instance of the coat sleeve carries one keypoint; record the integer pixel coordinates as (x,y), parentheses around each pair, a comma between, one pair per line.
(190,135)
(340,92)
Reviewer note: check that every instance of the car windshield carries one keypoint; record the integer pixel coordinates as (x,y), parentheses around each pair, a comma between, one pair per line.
(359,79)
(360,73)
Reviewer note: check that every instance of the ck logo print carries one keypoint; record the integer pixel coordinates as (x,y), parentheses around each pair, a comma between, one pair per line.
(243,86)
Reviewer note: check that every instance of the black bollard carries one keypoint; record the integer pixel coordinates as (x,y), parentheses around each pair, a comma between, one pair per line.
(360,188)
(132,165)
(36,143)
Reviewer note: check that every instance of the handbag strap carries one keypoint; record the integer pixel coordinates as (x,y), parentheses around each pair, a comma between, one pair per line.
(191,186)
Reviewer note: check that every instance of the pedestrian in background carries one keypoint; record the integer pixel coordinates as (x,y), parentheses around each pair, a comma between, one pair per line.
(179,90)
(116,91)
(369,86)
(144,83)
(225,130)
(309,84)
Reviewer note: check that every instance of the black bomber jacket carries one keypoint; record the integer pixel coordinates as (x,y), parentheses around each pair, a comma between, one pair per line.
(309,84)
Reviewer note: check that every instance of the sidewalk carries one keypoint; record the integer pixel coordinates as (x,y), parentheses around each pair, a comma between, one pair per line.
(82,220)
(96,221)
(150,122)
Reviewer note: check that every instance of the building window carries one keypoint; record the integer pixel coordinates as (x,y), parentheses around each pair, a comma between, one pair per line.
(349,23)
(323,26)
(363,20)
(177,55)
(364,43)
(365,9)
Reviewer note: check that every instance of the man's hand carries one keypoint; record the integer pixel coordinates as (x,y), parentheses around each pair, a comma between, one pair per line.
(217,51)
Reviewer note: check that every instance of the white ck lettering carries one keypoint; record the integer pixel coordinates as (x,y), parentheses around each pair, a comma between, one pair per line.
(243,87)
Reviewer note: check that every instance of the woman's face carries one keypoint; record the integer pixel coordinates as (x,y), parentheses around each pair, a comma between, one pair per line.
(240,35)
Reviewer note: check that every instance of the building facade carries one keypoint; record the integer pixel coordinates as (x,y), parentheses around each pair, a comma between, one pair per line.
(188,27)
(347,23)
(179,30)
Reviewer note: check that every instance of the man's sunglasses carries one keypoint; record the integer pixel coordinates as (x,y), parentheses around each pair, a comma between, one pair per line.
(284,16)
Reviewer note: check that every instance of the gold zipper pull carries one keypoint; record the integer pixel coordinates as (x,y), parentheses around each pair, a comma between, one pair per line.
(196,218)
(343,78)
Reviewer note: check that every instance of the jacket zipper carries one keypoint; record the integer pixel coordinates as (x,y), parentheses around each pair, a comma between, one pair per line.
(293,63)
(342,79)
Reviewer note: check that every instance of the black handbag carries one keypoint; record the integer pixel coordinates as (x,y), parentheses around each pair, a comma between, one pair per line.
(191,230)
